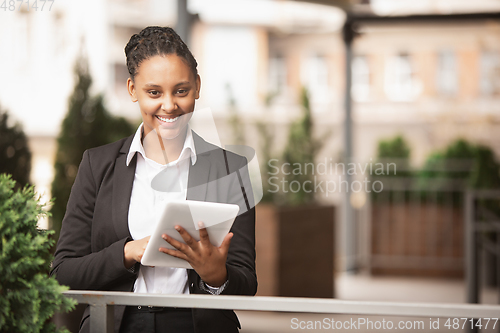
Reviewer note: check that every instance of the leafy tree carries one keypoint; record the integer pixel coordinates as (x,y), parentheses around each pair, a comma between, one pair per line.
(28,296)
(87,124)
(301,150)
(15,155)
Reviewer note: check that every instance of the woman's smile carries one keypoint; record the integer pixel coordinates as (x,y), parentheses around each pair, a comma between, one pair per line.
(166,119)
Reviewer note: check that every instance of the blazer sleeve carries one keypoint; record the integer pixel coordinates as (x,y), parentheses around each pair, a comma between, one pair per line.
(75,264)
(240,264)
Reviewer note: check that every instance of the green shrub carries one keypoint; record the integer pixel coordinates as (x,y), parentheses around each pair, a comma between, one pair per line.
(28,296)
(460,165)
(396,147)
(446,173)
(486,171)
(397,181)
(454,162)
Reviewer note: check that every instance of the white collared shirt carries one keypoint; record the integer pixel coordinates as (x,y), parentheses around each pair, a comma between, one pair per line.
(147,204)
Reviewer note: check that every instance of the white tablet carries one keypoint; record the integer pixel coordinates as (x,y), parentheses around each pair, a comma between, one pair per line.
(217,217)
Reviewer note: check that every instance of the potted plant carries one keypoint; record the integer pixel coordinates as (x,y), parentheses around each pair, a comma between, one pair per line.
(294,234)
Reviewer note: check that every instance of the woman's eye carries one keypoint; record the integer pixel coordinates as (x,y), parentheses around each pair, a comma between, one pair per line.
(153,93)
(182,91)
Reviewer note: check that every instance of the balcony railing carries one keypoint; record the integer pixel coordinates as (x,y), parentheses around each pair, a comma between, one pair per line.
(101,306)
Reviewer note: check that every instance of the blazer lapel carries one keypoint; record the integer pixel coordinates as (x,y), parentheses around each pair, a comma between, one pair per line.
(199,172)
(198,178)
(123,180)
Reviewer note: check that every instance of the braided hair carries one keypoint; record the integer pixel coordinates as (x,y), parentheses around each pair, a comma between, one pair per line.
(152,41)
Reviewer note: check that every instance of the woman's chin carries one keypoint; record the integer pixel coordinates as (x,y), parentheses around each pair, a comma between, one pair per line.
(171,133)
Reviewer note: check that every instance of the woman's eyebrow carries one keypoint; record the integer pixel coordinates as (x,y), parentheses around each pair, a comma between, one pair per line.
(152,85)
(182,83)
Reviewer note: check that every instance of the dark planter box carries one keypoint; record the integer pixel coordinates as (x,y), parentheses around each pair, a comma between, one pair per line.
(295,251)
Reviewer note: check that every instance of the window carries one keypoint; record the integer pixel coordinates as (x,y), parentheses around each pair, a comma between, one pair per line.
(277,74)
(400,81)
(490,73)
(360,90)
(447,80)
(314,76)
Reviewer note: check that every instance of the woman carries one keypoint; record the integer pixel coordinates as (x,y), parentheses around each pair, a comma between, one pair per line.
(122,187)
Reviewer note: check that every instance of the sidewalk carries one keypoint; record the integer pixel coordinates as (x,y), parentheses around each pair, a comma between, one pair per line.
(367,288)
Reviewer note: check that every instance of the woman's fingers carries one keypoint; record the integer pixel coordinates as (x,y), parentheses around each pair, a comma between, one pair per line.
(174,253)
(176,244)
(204,238)
(146,242)
(190,241)
(225,243)
(209,261)
(134,250)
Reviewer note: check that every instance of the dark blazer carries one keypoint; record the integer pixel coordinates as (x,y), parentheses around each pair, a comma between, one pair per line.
(89,254)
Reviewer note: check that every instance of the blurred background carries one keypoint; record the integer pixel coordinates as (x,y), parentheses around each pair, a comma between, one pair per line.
(335,96)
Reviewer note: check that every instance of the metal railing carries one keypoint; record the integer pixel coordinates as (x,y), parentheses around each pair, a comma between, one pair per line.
(101,306)
(475,229)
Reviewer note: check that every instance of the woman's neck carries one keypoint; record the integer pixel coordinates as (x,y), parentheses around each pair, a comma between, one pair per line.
(163,151)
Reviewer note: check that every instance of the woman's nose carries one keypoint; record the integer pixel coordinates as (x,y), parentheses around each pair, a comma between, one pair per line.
(168,104)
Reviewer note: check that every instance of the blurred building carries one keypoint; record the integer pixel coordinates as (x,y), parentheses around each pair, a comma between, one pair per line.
(432,83)
(39,51)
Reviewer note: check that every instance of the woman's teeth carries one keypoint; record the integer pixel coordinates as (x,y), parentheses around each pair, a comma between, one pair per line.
(167,120)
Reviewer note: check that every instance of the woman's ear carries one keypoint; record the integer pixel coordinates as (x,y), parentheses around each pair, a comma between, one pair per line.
(131,90)
(198,86)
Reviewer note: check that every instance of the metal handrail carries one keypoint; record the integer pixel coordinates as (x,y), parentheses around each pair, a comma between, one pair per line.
(102,302)
(473,235)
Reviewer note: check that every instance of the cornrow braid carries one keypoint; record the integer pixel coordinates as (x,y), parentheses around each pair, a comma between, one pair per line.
(152,41)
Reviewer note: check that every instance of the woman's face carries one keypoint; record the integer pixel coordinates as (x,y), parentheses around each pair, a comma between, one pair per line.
(166,90)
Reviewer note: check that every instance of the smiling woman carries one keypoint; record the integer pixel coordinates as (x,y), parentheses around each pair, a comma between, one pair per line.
(114,203)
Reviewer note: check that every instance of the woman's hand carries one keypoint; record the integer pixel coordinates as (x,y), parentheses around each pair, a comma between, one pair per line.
(133,251)
(207,260)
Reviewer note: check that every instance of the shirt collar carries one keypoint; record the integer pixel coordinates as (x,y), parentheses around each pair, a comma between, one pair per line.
(137,147)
